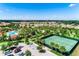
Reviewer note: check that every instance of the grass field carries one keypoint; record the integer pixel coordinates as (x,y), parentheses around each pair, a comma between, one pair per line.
(3,43)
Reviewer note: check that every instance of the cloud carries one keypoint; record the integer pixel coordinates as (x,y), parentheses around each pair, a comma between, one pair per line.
(72,5)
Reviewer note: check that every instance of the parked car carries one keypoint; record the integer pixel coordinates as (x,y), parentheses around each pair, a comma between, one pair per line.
(20,53)
(17,51)
(7,52)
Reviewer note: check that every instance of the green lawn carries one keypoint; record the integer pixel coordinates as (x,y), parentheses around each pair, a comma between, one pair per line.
(3,43)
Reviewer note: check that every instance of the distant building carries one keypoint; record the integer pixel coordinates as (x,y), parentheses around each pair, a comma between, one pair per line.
(4,24)
(12,34)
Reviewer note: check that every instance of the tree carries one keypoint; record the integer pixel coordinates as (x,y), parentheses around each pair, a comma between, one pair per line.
(3,47)
(22,32)
(4,37)
(41,40)
(26,41)
(52,44)
(42,51)
(57,46)
(16,43)
(33,33)
(28,53)
(39,47)
(10,44)
(62,49)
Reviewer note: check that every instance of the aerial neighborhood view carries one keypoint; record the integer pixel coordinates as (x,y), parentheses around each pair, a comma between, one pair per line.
(57,36)
(39,38)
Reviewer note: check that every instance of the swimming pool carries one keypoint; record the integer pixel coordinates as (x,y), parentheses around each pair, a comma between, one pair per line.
(12,33)
(61,41)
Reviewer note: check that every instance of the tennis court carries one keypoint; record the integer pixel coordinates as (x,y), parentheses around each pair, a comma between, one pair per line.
(61,41)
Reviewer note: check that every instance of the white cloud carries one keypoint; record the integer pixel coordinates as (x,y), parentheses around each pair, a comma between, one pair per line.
(72,5)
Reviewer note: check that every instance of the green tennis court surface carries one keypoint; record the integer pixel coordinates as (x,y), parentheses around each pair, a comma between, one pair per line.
(61,41)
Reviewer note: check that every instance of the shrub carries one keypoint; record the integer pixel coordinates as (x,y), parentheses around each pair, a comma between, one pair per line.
(62,49)
(52,44)
(57,46)
(39,47)
(28,53)
(15,43)
(10,43)
(3,47)
(42,51)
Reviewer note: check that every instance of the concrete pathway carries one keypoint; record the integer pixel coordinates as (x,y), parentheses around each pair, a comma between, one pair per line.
(34,51)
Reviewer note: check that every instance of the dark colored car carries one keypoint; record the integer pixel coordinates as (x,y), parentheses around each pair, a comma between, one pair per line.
(9,51)
(17,51)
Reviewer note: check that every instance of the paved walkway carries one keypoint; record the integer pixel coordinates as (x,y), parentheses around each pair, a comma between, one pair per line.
(34,51)
(1,53)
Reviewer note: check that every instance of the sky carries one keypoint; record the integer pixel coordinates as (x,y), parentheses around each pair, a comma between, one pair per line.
(39,11)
